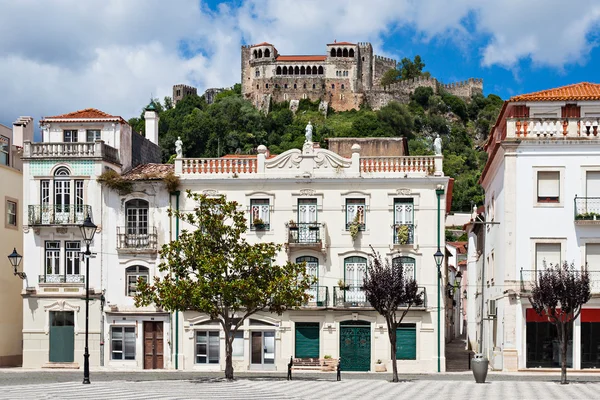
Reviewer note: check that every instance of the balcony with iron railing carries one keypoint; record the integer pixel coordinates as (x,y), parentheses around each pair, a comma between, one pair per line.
(404,234)
(306,236)
(529,277)
(587,210)
(137,242)
(69,150)
(69,214)
(55,278)
(355,296)
(319,297)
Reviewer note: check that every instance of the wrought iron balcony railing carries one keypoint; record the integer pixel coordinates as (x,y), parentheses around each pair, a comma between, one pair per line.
(587,210)
(67,214)
(404,233)
(529,277)
(137,241)
(304,233)
(48,278)
(319,297)
(355,296)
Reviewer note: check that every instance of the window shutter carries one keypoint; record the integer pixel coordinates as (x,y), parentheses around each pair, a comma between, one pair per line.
(550,252)
(592,184)
(592,256)
(548,184)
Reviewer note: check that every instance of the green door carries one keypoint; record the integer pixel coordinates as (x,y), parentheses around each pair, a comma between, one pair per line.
(406,342)
(355,346)
(62,336)
(307,340)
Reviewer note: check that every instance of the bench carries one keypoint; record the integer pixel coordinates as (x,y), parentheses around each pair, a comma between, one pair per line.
(314,364)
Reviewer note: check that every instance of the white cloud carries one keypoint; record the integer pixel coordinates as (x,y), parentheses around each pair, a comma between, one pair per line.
(63,55)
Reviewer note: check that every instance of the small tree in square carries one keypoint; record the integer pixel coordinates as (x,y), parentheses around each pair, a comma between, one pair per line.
(214,270)
(558,294)
(391,293)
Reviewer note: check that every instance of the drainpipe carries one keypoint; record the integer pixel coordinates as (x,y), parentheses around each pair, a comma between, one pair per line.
(177,193)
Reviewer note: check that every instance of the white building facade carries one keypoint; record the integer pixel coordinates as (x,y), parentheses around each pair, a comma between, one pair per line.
(542,190)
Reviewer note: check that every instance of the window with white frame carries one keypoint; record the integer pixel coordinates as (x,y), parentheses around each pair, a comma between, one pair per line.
(4,150)
(548,186)
(70,136)
(133,274)
(408,266)
(207,347)
(403,221)
(355,211)
(259,214)
(238,344)
(93,134)
(548,253)
(72,258)
(122,343)
(11,214)
(592,256)
(52,257)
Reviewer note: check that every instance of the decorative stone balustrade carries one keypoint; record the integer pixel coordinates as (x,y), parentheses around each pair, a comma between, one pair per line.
(62,150)
(310,162)
(536,128)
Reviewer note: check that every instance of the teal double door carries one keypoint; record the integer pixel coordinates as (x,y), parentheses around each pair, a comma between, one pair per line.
(355,345)
(62,336)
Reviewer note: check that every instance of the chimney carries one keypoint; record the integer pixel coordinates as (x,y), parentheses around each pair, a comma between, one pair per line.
(151,117)
(22,131)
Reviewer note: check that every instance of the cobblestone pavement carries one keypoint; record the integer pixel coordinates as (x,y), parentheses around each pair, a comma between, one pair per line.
(259,388)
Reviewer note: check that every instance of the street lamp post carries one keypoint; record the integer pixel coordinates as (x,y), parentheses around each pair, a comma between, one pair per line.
(439,257)
(15,260)
(88,229)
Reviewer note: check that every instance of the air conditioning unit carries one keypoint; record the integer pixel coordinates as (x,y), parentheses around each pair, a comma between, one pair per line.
(491,308)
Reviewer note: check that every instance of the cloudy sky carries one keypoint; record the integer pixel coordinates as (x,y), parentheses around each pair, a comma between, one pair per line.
(58,56)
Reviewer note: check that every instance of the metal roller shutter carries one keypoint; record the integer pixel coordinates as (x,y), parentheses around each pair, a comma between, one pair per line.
(307,340)
(406,342)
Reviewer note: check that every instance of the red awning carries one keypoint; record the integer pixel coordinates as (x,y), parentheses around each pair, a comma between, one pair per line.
(590,315)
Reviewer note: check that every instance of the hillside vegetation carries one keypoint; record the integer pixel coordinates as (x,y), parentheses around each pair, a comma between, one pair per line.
(233,125)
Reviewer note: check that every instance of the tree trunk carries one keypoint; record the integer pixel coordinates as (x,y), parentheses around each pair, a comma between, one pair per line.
(228,357)
(563,352)
(392,335)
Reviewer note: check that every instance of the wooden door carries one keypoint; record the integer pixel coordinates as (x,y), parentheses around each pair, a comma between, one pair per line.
(153,345)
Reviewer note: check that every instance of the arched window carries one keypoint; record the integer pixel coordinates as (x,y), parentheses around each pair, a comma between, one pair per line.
(257,86)
(314,70)
(314,86)
(295,87)
(267,53)
(407,264)
(259,53)
(267,85)
(257,73)
(337,73)
(285,70)
(278,71)
(342,86)
(332,52)
(363,59)
(320,70)
(62,171)
(339,52)
(136,225)
(297,70)
(345,53)
(351,53)
(312,269)
(65,210)
(302,70)
(255,54)
(132,275)
(308,70)
(291,70)
(333,86)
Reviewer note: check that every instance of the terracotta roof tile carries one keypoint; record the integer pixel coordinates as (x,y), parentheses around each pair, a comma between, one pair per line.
(342,43)
(149,172)
(461,247)
(301,58)
(577,91)
(88,113)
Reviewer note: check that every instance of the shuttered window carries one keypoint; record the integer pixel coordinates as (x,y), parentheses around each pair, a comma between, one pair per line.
(548,183)
(307,340)
(548,252)
(406,342)
(592,256)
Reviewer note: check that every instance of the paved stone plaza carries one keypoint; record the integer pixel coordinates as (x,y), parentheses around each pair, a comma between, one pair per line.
(304,387)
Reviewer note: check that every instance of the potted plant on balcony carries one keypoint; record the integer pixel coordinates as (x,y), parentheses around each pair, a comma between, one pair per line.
(402,232)
(258,224)
(354,227)
(292,224)
(380,366)
(343,285)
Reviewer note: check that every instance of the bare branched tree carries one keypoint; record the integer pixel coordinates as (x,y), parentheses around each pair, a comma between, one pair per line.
(392,294)
(558,294)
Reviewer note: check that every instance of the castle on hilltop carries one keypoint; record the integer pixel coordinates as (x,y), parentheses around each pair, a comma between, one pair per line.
(347,76)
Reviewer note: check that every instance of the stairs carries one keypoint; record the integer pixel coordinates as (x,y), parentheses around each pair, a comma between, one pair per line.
(457,358)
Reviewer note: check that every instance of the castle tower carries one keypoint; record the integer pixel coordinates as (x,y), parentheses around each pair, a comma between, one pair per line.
(365,66)
(180,91)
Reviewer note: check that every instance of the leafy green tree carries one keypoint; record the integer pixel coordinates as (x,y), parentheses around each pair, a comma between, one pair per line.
(421,95)
(390,76)
(214,270)
(391,293)
(411,69)
(398,119)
